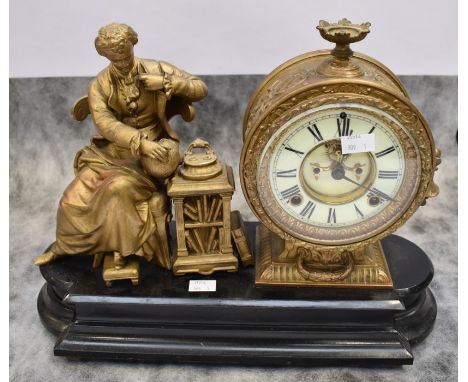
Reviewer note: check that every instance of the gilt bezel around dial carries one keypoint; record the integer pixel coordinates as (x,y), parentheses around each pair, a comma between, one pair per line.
(404,121)
(280,203)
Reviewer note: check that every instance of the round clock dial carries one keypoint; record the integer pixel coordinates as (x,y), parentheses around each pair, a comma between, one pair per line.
(318,194)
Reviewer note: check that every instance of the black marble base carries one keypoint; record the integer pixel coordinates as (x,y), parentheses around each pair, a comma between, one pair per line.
(239,323)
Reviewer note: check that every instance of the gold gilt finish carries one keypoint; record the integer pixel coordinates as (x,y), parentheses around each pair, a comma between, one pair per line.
(333,148)
(283,264)
(111,272)
(240,239)
(202,191)
(355,235)
(286,254)
(117,207)
(200,166)
(342,33)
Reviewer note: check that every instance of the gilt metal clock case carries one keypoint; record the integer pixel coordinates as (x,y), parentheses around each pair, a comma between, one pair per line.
(301,186)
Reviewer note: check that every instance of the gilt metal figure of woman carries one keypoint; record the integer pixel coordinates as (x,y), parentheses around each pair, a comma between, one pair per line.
(117,202)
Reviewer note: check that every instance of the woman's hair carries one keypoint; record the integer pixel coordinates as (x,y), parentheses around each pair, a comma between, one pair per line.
(114,37)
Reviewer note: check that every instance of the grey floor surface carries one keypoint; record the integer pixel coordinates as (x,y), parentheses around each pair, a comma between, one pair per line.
(43,142)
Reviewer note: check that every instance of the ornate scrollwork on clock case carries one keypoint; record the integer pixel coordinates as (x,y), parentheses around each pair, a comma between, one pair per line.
(350,92)
(302,73)
(317,266)
(362,268)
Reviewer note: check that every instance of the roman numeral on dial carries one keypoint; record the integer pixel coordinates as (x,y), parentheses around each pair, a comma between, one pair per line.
(371,130)
(308,210)
(385,152)
(297,152)
(343,125)
(358,211)
(290,192)
(377,192)
(286,173)
(388,174)
(315,132)
(331,215)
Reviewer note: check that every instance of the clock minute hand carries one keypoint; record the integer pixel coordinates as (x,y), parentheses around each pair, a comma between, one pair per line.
(338,173)
(373,190)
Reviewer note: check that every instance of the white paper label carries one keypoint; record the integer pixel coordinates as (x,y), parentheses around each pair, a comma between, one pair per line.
(202,286)
(359,143)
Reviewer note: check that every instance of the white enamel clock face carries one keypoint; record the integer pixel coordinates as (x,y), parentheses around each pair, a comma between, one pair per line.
(315,185)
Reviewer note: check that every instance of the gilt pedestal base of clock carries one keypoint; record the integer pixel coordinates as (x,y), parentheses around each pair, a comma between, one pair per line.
(278,265)
(161,321)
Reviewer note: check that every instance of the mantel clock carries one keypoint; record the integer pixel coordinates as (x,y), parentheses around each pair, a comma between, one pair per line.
(335,158)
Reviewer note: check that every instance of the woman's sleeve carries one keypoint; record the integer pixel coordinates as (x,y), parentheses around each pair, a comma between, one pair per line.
(184,84)
(107,124)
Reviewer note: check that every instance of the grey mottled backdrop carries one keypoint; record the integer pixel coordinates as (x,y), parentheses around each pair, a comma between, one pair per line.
(43,142)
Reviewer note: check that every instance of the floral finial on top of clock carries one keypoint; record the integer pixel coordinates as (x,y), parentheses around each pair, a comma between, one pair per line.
(342,33)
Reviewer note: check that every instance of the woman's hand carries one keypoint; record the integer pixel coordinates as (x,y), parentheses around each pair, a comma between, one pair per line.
(151,81)
(153,150)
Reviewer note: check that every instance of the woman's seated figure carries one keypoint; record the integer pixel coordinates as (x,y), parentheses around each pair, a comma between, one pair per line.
(113,204)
